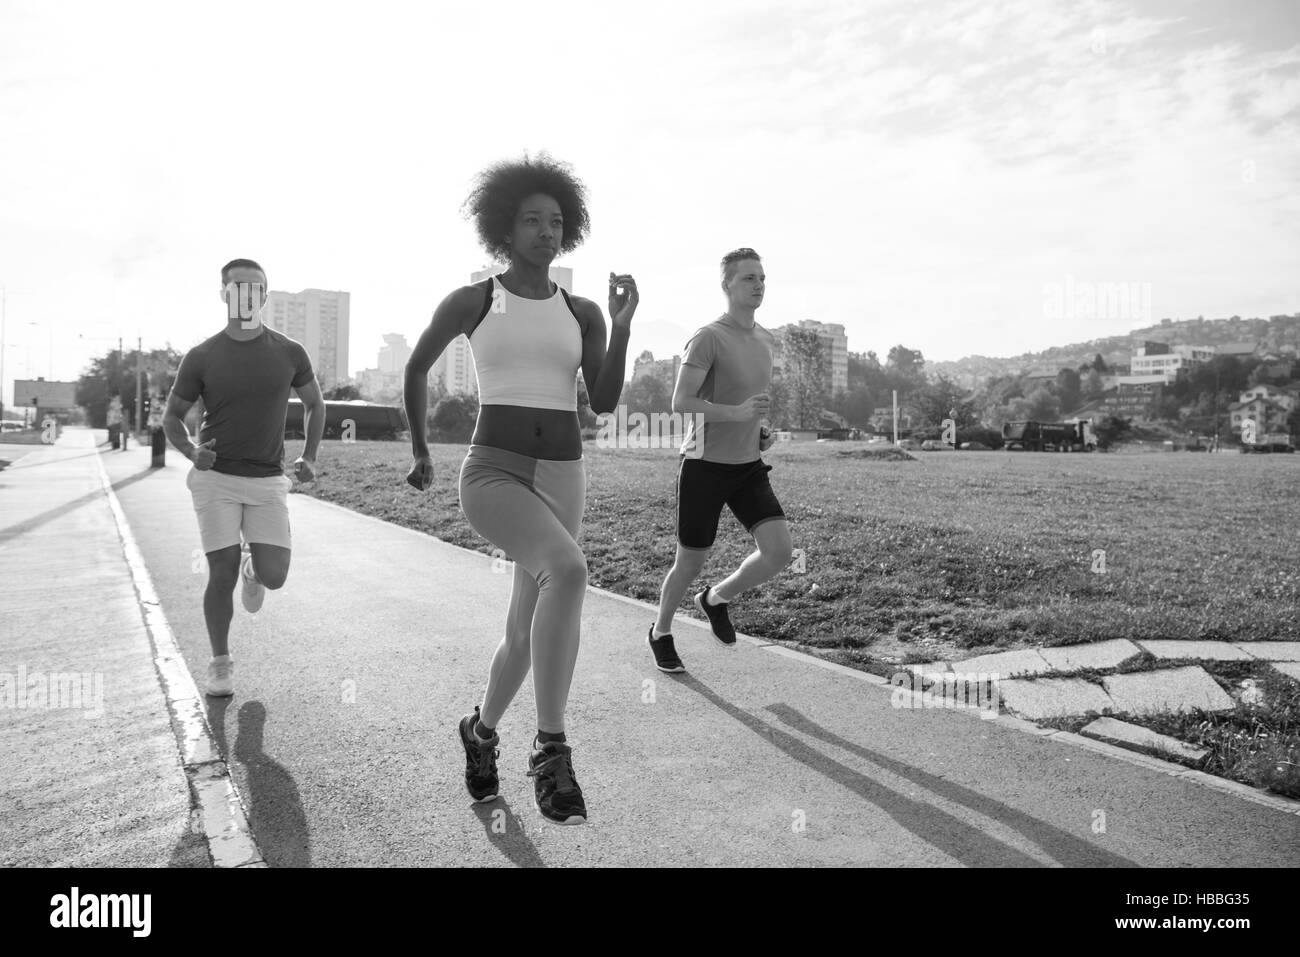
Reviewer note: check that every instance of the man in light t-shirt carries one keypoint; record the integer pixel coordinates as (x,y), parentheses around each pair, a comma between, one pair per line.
(723,381)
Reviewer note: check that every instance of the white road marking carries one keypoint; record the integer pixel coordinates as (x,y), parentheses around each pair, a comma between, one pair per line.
(216,802)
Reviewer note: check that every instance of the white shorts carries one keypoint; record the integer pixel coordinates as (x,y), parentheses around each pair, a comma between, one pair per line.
(228,504)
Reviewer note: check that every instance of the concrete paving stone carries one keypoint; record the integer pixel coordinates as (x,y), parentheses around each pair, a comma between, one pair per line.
(1005,664)
(1271,650)
(1167,650)
(1053,697)
(1289,668)
(929,668)
(1121,732)
(1172,689)
(1101,654)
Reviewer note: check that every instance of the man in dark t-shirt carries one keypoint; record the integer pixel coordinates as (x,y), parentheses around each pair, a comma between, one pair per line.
(243,374)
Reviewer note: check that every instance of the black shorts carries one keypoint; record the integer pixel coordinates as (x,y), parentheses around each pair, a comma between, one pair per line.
(704,487)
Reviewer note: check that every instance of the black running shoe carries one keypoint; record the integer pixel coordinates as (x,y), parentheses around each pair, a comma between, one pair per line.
(557,793)
(665,654)
(480,760)
(718,620)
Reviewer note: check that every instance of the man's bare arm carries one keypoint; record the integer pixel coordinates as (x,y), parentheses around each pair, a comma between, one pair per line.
(313,418)
(174,425)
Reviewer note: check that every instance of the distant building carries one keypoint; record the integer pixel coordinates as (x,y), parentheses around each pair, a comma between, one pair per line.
(455,368)
(1159,358)
(390,373)
(1267,405)
(1286,398)
(393,356)
(665,370)
(1278,367)
(318,318)
(1132,396)
(835,346)
(1242,348)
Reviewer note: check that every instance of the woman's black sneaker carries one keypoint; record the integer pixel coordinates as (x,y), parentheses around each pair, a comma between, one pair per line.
(665,654)
(480,760)
(719,623)
(556,789)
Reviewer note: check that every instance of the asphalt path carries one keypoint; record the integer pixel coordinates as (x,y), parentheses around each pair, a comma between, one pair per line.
(341,735)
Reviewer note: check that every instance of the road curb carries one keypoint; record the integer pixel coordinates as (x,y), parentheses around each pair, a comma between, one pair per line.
(1223,785)
(215,803)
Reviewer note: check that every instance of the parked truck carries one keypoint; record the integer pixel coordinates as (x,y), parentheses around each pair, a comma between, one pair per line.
(1270,442)
(1073,436)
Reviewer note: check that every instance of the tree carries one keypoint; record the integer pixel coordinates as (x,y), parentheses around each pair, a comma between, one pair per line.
(342,393)
(1168,408)
(647,394)
(855,404)
(945,399)
(1039,406)
(1092,386)
(804,373)
(1068,389)
(1099,364)
(779,403)
(862,368)
(1110,428)
(115,374)
(905,362)
(453,418)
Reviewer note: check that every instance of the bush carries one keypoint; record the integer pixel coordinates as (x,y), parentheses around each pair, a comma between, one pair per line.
(1110,429)
(453,418)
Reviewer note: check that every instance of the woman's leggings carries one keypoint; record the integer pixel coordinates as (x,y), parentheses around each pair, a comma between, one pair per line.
(532,510)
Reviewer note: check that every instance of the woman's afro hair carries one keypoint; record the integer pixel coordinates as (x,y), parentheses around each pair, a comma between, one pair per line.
(499,189)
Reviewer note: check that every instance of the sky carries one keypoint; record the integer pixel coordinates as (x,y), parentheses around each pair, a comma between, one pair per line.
(930,174)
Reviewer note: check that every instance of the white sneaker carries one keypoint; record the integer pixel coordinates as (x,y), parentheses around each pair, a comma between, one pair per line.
(253,591)
(221,676)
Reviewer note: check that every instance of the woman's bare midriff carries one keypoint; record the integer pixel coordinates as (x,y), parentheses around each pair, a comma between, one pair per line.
(539,433)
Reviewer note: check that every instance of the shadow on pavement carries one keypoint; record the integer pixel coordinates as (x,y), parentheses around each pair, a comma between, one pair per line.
(36,521)
(1064,847)
(508,832)
(275,814)
(963,841)
(191,850)
(19,466)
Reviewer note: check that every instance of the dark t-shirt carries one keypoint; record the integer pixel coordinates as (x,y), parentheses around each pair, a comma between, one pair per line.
(245,391)
(738,363)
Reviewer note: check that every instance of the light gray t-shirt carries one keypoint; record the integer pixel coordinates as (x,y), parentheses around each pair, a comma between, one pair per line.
(738,364)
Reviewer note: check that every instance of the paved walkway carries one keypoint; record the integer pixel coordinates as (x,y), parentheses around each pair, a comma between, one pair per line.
(341,735)
(90,768)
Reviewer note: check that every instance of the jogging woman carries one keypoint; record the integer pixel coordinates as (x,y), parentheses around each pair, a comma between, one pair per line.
(523,484)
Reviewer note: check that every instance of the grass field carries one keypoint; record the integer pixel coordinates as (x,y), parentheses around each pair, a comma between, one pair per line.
(939,557)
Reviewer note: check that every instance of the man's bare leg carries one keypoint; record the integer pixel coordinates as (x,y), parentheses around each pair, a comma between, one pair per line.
(219,597)
(686,568)
(772,555)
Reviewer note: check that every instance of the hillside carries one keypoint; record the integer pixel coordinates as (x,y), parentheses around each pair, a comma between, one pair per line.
(1277,334)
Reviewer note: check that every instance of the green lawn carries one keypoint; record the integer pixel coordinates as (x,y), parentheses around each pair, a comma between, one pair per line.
(920,560)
